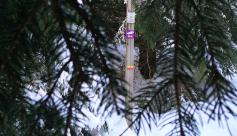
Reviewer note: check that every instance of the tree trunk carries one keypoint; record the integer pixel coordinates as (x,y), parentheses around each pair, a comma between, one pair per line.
(147,59)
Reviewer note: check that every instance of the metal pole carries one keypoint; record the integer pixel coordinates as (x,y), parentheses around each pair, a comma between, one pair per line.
(129,62)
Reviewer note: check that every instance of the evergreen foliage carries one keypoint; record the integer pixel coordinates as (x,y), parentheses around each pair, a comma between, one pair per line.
(34,36)
(195,35)
(190,36)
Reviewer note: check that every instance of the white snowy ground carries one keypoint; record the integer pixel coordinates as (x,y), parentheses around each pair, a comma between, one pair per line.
(211,128)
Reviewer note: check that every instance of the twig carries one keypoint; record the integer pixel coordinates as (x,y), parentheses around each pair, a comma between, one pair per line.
(176,50)
(205,32)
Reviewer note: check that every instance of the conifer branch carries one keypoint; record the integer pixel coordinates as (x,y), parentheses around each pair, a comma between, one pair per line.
(84,15)
(76,62)
(36,122)
(49,95)
(176,72)
(58,12)
(81,12)
(18,93)
(106,67)
(205,33)
(70,111)
(18,35)
(148,104)
(77,87)
(59,15)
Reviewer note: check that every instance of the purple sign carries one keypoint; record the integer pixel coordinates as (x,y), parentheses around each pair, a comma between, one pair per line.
(130,34)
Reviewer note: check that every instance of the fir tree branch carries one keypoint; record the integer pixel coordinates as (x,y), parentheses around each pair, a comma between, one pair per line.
(85,15)
(205,33)
(18,93)
(76,62)
(58,12)
(34,126)
(70,111)
(77,87)
(81,12)
(18,35)
(106,67)
(147,105)
(49,95)
(176,50)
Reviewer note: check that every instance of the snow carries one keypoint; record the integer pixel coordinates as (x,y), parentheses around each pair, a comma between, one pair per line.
(120,127)
(110,124)
(214,129)
(211,128)
(35,95)
(92,121)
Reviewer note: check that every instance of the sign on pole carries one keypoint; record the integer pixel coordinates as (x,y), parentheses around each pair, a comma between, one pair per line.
(129,67)
(130,34)
(131,17)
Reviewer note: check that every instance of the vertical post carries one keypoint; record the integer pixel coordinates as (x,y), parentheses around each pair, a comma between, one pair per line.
(129,58)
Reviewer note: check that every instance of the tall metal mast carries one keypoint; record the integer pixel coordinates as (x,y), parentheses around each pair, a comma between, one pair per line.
(129,73)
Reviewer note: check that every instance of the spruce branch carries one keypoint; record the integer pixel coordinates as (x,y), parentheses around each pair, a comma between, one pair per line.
(176,72)
(49,96)
(77,88)
(34,125)
(106,67)
(58,12)
(70,112)
(148,104)
(18,35)
(221,88)
(205,33)
(85,15)
(81,12)
(76,63)
(19,94)
(59,15)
